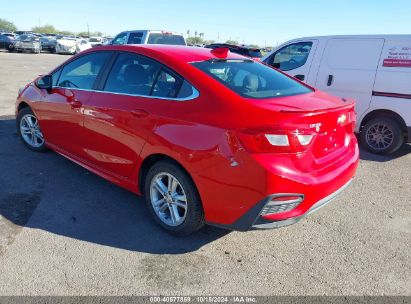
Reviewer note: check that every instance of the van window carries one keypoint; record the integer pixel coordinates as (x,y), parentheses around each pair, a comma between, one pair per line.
(166,38)
(291,56)
(251,79)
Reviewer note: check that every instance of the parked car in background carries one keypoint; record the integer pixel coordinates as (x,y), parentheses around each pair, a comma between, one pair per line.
(96,41)
(48,44)
(82,45)
(6,43)
(27,43)
(375,70)
(149,37)
(208,136)
(11,35)
(251,52)
(66,45)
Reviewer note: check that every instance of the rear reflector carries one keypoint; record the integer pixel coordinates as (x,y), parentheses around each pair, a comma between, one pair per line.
(283,203)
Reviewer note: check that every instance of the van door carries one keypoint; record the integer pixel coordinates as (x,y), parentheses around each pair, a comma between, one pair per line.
(294,59)
(348,68)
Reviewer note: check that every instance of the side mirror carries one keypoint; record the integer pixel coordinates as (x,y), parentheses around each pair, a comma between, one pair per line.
(45,82)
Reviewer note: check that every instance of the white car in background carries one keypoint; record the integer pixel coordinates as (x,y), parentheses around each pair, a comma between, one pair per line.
(96,41)
(82,45)
(66,45)
(375,70)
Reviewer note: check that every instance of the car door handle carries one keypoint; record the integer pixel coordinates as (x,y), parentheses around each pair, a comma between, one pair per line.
(300,77)
(139,113)
(330,80)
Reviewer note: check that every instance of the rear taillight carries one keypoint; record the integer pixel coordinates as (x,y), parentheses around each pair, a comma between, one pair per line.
(268,140)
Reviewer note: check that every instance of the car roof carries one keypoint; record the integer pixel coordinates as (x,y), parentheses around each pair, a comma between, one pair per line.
(176,52)
(152,31)
(392,36)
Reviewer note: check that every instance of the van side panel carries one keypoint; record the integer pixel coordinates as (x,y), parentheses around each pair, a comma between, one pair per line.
(348,68)
(392,88)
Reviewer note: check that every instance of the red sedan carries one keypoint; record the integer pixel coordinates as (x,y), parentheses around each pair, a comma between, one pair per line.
(206,136)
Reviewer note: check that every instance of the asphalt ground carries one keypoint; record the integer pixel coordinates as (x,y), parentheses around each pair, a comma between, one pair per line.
(65,231)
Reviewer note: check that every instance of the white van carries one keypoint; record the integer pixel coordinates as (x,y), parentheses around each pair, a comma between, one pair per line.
(149,37)
(374,70)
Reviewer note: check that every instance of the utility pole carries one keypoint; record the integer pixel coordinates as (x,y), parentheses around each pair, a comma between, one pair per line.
(88,30)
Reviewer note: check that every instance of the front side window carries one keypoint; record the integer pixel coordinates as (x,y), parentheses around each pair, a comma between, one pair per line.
(251,79)
(291,56)
(120,39)
(135,38)
(82,72)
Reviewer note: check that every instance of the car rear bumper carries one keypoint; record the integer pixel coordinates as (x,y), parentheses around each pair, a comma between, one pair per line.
(260,223)
(253,219)
(284,185)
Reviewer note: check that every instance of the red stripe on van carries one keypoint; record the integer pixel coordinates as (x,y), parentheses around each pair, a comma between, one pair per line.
(397,63)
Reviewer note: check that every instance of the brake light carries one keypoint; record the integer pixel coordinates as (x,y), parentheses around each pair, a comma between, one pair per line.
(275,141)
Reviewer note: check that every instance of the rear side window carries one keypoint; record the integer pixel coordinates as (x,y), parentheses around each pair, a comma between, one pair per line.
(164,38)
(291,56)
(167,85)
(135,38)
(132,74)
(251,79)
(82,72)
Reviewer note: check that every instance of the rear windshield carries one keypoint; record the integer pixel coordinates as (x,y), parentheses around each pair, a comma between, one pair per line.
(251,79)
(163,38)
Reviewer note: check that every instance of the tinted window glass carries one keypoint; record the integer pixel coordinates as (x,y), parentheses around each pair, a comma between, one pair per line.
(82,72)
(120,39)
(186,90)
(132,74)
(251,79)
(291,56)
(135,38)
(160,38)
(167,85)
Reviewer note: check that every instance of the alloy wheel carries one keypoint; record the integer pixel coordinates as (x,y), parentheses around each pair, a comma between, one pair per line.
(379,136)
(168,199)
(30,131)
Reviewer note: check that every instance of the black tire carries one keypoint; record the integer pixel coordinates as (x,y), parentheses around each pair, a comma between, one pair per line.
(22,113)
(194,216)
(392,127)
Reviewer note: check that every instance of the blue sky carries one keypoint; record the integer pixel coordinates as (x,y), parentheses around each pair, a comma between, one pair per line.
(249,21)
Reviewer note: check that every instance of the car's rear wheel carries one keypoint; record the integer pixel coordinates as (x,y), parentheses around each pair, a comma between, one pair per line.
(29,130)
(382,135)
(173,199)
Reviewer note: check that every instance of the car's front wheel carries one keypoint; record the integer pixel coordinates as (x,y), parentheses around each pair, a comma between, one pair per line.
(29,130)
(173,199)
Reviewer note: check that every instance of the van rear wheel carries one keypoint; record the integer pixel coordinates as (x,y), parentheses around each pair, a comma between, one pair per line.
(382,135)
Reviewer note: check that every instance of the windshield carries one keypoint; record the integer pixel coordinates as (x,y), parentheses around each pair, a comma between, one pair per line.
(94,40)
(163,38)
(251,79)
(26,38)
